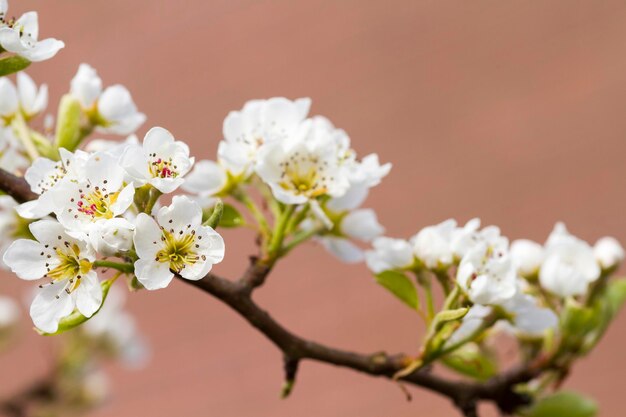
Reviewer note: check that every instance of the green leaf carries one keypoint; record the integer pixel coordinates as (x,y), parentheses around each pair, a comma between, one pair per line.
(472,361)
(563,404)
(68,133)
(400,286)
(76,318)
(12,65)
(616,295)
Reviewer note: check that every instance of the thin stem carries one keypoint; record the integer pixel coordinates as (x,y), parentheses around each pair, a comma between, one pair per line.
(300,238)
(430,303)
(154,197)
(23,133)
(255,211)
(278,235)
(122,267)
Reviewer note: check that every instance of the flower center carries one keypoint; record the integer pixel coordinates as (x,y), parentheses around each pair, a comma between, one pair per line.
(71,267)
(303,174)
(162,168)
(178,251)
(97,203)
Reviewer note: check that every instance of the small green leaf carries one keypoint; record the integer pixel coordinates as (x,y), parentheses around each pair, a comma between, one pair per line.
(563,404)
(12,65)
(76,318)
(616,295)
(68,133)
(231,217)
(400,286)
(472,361)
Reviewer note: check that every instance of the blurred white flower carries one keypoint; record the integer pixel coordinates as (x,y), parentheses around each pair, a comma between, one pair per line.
(389,253)
(527,256)
(433,244)
(608,252)
(26,98)
(569,265)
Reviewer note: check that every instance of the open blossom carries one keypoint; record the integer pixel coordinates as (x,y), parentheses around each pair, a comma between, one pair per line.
(21,36)
(257,123)
(389,253)
(303,168)
(433,244)
(114,108)
(67,262)
(97,197)
(608,252)
(26,98)
(208,178)
(528,317)
(45,178)
(161,161)
(467,237)
(176,242)
(569,265)
(487,275)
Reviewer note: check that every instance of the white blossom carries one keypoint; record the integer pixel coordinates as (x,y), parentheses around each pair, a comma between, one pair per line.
(46,178)
(389,253)
(569,265)
(175,242)
(114,109)
(433,244)
(487,275)
(259,122)
(528,317)
(470,235)
(207,178)
(67,262)
(527,256)
(608,252)
(161,161)
(21,36)
(26,98)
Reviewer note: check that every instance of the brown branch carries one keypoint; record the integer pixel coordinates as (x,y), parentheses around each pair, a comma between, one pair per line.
(16,187)
(238,295)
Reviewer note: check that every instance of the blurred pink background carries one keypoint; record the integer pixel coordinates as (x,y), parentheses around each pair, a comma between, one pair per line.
(511,111)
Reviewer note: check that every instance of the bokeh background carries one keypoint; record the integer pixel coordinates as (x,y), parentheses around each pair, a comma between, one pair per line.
(507,110)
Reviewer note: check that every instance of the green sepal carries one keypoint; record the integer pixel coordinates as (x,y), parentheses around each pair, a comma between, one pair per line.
(399,285)
(229,216)
(76,318)
(12,65)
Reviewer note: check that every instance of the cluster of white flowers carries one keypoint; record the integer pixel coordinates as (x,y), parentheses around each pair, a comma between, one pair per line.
(493,273)
(91,196)
(305,161)
(21,36)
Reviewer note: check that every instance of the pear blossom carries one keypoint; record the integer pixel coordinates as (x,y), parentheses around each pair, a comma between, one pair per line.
(303,168)
(608,252)
(433,244)
(528,317)
(26,98)
(112,109)
(161,161)
(389,253)
(46,177)
(21,36)
(67,262)
(114,148)
(527,256)
(112,237)
(569,265)
(487,275)
(259,122)
(361,225)
(470,235)
(176,242)
(97,197)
